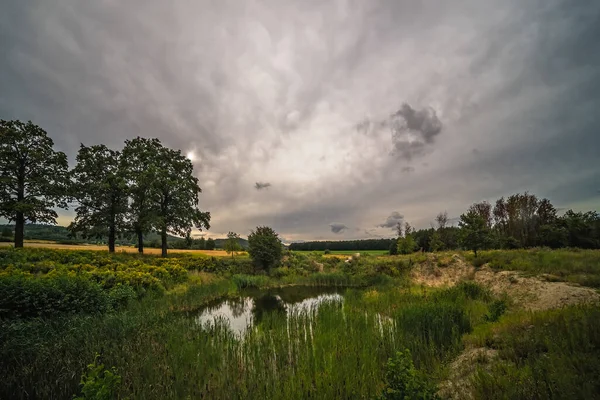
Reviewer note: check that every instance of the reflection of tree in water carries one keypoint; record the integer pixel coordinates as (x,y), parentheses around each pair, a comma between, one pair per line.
(297,294)
(267,303)
(238,306)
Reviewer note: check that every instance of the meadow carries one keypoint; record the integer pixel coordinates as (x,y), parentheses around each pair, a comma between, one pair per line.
(79,323)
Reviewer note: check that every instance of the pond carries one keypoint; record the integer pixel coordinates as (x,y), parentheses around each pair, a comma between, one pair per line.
(245,311)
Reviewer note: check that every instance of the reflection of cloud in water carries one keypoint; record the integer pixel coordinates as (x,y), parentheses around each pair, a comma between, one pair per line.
(236,313)
(313,302)
(242,313)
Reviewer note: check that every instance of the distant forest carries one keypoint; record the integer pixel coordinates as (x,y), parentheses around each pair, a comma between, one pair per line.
(367,244)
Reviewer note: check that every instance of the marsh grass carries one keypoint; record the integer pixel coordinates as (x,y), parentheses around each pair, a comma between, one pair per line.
(337,351)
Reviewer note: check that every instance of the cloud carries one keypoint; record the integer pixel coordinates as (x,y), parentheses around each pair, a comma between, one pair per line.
(337,227)
(329,113)
(407,169)
(261,185)
(392,220)
(413,130)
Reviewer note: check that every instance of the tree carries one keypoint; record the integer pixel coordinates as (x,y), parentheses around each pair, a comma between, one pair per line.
(406,245)
(33,176)
(436,244)
(7,232)
(177,194)
(393,249)
(475,233)
(210,244)
(233,243)
(100,188)
(264,247)
(139,163)
(202,243)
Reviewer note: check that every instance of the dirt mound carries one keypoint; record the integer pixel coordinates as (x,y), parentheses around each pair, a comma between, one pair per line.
(530,293)
(534,293)
(458,385)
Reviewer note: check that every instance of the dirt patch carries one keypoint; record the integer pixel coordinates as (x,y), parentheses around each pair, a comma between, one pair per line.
(458,384)
(529,293)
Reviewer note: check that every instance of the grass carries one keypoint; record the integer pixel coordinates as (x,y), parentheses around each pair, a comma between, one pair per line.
(159,351)
(347,252)
(544,355)
(570,265)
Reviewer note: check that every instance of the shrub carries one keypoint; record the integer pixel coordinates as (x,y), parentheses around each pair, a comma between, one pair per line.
(22,297)
(403,381)
(98,383)
(327,251)
(496,309)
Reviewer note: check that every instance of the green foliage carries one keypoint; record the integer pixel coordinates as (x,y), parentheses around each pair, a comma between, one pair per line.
(496,310)
(327,251)
(265,248)
(475,233)
(393,248)
(249,281)
(403,381)
(33,177)
(99,383)
(25,297)
(210,244)
(232,244)
(177,195)
(545,355)
(436,243)
(406,245)
(101,190)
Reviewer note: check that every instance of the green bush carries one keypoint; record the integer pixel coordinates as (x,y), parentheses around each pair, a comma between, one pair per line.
(496,310)
(99,383)
(25,297)
(403,381)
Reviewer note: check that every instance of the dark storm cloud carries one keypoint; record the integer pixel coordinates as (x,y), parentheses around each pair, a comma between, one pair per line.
(392,220)
(261,185)
(271,90)
(337,227)
(413,130)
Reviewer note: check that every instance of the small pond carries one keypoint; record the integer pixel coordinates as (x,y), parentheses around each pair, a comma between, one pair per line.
(242,312)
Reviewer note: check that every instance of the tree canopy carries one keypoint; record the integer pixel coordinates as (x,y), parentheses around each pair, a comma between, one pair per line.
(33,176)
(265,248)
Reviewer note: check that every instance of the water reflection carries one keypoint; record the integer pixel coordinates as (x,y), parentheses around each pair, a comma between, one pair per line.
(241,313)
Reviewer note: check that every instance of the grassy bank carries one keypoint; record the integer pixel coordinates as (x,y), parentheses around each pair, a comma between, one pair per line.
(574,265)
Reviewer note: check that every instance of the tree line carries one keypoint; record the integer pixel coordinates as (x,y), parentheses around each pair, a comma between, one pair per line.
(521,220)
(143,187)
(366,244)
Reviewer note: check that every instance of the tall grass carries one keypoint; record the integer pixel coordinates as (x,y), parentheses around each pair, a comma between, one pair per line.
(337,351)
(545,355)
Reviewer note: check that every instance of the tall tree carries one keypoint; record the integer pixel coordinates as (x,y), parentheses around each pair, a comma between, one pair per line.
(475,233)
(100,188)
(140,163)
(177,194)
(264,247)
(33,176)
(233,243)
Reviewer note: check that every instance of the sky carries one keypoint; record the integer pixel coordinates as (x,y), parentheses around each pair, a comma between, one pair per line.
(326,120)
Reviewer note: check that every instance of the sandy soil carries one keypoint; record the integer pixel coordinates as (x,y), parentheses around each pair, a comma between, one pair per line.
(51,245)
(528,293)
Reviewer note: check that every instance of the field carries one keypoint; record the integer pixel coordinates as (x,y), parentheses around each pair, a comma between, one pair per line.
(350,252)
(131,327)
(47,244)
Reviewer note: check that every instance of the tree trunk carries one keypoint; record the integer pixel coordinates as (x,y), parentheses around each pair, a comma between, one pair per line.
(20,217)
(111,239)
(140,236)
(19,229)
(163,239)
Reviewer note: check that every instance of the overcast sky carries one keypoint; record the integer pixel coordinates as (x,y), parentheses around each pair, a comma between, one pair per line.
(323,119)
